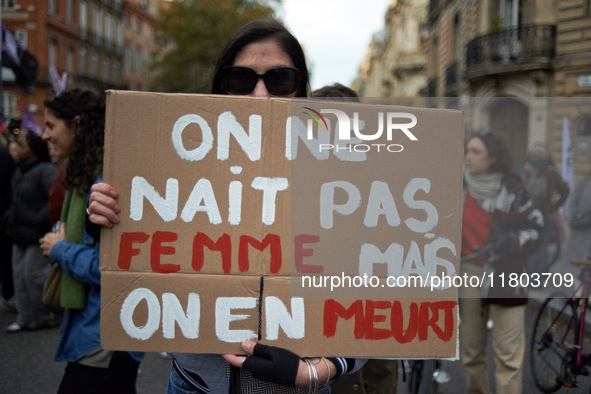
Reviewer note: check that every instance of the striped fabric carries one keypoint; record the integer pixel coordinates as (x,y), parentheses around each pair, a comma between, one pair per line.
(250,385)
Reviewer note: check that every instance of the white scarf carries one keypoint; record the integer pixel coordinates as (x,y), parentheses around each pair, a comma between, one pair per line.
(485,189)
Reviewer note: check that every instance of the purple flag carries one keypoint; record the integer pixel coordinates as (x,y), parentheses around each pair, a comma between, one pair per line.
(58,82)
(30,123)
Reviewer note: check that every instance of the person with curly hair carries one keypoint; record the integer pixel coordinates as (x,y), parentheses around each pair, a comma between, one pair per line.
(75,124)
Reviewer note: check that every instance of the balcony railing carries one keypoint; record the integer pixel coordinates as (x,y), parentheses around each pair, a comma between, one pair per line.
(525,47)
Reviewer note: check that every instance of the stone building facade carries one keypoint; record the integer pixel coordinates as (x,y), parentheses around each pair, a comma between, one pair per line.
(499,60)
(497,56)
(394,64)
(572,76)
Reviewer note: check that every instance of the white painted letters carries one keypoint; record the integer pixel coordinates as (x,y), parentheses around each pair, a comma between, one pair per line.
(166,207)
(277,315)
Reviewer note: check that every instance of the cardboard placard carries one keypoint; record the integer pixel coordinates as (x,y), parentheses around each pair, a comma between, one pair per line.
(240,215)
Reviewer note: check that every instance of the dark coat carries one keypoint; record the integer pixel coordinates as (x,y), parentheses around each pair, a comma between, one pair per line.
(556,186)
(28,216)
(6,170)
(515,216)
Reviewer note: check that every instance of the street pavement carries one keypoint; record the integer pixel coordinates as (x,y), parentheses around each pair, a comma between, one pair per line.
(27,366)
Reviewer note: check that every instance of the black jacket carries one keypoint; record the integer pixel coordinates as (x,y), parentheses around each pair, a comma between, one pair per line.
(28,216)
(515,216)
(6,171)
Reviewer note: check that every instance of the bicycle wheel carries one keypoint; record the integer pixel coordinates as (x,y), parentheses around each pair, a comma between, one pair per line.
(554,336)
(428,384)
(416,372)
(421,379)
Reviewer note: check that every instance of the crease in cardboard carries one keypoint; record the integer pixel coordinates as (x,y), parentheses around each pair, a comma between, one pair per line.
(123,290)
(260,318)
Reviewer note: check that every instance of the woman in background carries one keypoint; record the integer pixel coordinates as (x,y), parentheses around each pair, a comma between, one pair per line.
(500,219)
(74,125)
(27,221)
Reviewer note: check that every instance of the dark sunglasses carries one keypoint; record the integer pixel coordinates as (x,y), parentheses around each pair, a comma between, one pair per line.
(280,81)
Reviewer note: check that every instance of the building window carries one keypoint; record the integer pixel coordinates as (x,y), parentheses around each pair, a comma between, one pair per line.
(117,73)
(98,21)
(136,60)
(148,59)
(8,4)
(22,37)
(457,38)
(83,15)
(119,34)
(53,52)
(69,12)
(106,70)
(82,61)
(9,103)
(424,36)
(583,133)
(108,28)
(127,58)
(151,34)
(95,65)
(51,7)
(70,60)
(433,65)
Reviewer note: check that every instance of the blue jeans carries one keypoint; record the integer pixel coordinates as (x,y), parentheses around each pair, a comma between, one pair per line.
(176,385)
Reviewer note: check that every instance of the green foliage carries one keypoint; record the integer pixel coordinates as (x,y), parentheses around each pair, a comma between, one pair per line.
(495,23)
(192,34)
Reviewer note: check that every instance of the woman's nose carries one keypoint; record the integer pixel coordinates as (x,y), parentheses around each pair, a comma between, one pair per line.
(260,90)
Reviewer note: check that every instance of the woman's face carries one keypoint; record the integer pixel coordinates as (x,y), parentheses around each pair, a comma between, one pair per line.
(58,135)
(25,151)
(476,158)
(262,56)
(15,150)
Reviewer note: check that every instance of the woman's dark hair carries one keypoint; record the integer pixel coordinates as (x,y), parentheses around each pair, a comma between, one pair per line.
(87,150)
(497,148)
(337,92)
(256,31)
(38,146)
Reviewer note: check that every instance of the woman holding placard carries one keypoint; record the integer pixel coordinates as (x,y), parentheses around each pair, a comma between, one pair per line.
(262,59)
(499,219)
